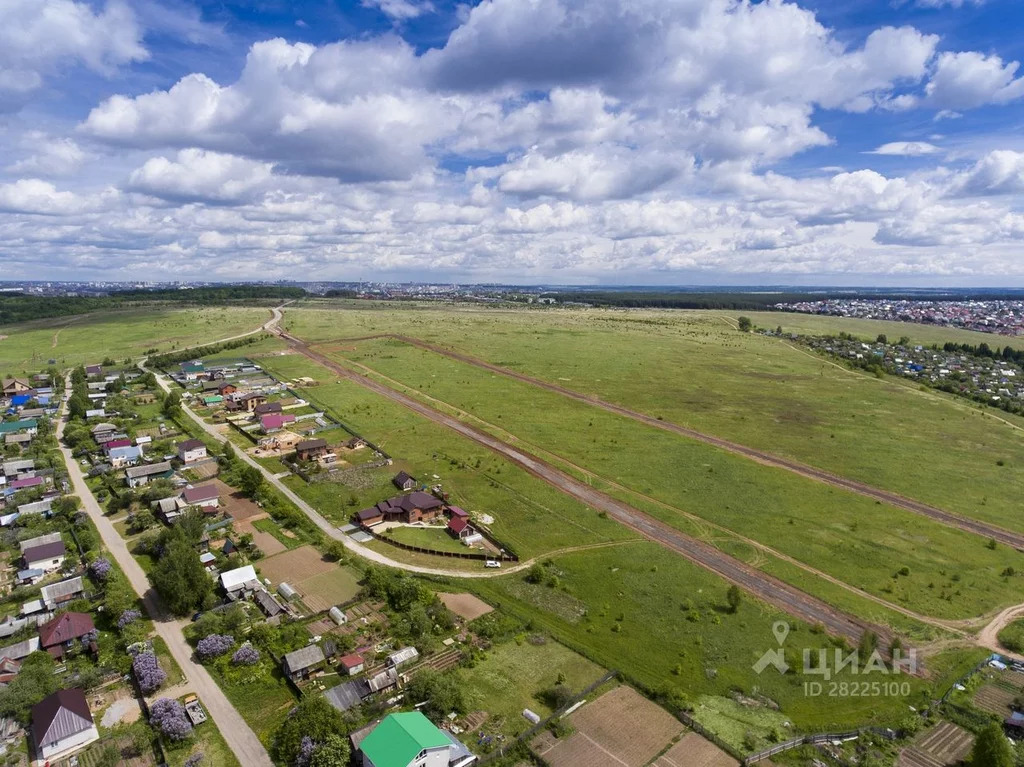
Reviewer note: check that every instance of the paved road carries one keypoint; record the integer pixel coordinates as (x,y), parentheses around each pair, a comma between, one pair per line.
(765,587)
(238,735)
(1010,538)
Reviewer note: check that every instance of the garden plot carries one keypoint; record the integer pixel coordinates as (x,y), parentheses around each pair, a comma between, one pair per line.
(694,751)
(321,584)
(466,606)
(619,728)
(995,700)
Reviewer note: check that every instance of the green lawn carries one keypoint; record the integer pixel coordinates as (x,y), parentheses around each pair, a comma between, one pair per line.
(512,676)
(207,741)
(434,538)
(1012,636)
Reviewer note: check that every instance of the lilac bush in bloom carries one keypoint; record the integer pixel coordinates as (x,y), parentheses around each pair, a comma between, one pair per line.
(246,655)
(169,717)
(100,568)
(306,749)
(147,672)
(194,760)
(214,645)
(128,617)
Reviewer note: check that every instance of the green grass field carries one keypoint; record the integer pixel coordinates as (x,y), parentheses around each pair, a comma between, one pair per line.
(664,623)
(845,535)
(513,674)
(531,517)
(89,338)
(435,538)
(696,370)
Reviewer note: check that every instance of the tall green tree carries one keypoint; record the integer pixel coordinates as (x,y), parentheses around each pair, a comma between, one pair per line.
(180,578)
(992,749)
(314,717)
(250,481)
(745,324)
(171,407)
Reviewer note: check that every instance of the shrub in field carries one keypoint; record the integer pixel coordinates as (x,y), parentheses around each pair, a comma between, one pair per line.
(194,760)
(127,618)
(214,645)
(170,719)
(246,655)
(100,569)
(147,672)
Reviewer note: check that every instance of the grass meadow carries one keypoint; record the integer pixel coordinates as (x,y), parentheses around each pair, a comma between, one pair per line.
(664,624)
(89,338)
(696,370)
(899,556)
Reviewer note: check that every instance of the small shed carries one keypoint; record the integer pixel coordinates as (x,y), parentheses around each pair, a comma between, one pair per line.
(352,664)
(299,664)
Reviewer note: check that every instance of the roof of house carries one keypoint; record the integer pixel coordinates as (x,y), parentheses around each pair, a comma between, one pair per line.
(276,420)
(20,484)
(352,660)
(10,468)
(190,444)
(46,551)
(102,427)
(311,444)
(148,470)
(60,589)
(383,680)
(455,511)
(39,540)
(347,695)
(270,605)
(166,505)
(371,513)
(128,451)
(59,716)
(397,740)
(303,658)
(458,524)
(12,426)
(115,443)
(402,477)
(267,407)
(233,579)
(64,628)
(200,493)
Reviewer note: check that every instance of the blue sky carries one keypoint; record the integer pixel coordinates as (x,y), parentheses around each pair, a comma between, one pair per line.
(530,141)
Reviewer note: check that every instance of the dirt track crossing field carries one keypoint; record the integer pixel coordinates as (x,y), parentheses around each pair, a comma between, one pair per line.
(765,587)
(1008,537)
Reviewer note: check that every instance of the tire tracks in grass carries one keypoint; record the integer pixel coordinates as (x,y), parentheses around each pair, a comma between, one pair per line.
(704,527)
(976,527)
(763,586)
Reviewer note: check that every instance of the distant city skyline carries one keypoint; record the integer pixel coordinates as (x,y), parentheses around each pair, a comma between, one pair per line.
(563,142)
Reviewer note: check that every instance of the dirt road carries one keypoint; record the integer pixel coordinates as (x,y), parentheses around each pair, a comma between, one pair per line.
(758,583)
(1002,535)
(238,735)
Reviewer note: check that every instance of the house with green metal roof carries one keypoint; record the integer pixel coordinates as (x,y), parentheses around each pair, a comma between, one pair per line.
(409,739)
(13,427)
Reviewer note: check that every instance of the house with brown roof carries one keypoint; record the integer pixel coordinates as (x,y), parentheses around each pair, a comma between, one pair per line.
(267,408)
(311,449)
(404,481)
(62,725)
(14,386)
(417,506)
(460,528)
(191,450)
(206,497)
(60,634)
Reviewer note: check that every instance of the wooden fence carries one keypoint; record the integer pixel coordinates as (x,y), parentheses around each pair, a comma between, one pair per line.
(505,556)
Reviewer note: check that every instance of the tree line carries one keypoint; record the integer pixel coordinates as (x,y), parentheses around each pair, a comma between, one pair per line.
(25,308)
